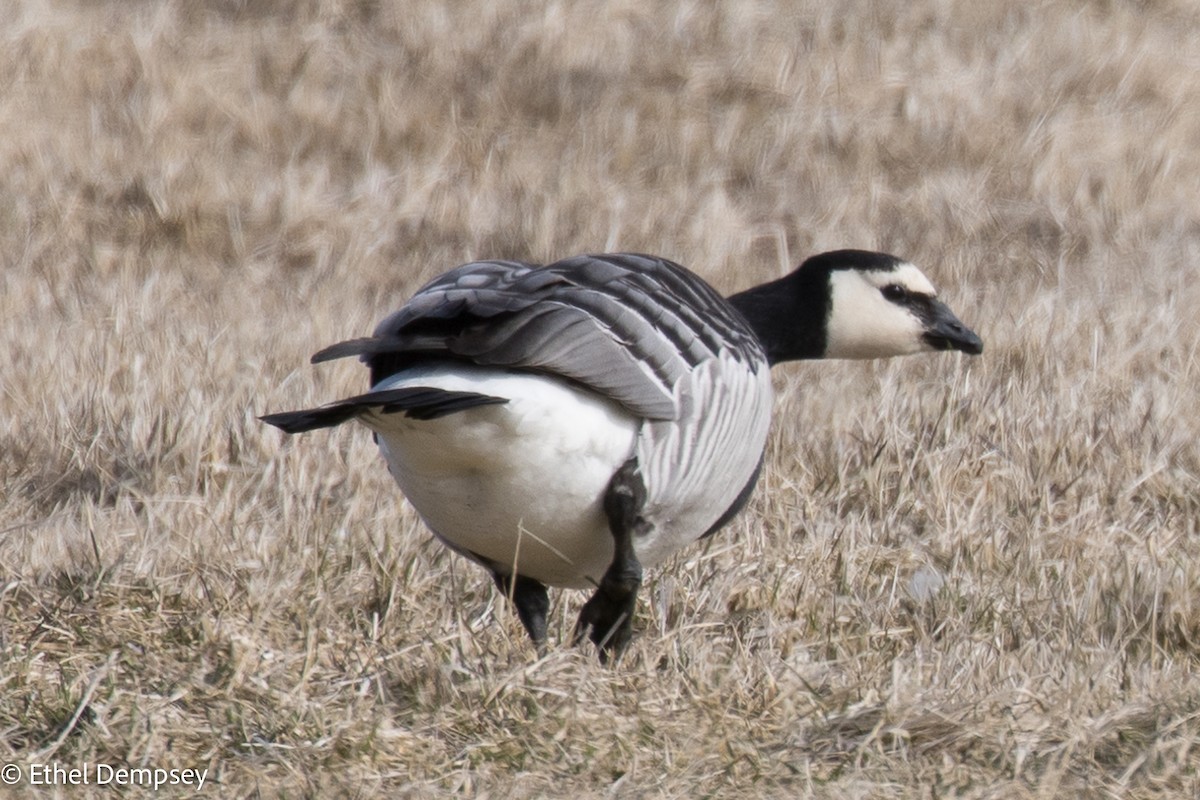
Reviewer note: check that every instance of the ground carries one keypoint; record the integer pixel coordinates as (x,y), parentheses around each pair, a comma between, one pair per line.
(973,578)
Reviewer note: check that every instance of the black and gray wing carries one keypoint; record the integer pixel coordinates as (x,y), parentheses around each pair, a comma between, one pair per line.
(630,327)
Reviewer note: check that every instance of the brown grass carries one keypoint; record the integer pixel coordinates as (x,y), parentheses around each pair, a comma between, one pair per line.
(975,579)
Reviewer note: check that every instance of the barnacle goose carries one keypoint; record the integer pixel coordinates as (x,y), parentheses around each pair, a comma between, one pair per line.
(569,424)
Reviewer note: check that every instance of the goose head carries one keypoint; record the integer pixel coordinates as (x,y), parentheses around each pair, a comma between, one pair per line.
(853,304)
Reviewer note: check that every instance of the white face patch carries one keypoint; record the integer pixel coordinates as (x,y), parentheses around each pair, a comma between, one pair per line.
(906,275)
(864,324)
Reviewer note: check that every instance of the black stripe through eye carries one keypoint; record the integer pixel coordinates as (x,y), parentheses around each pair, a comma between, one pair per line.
(895,292)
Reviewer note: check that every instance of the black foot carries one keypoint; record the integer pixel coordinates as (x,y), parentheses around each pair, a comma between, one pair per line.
(532,602)
(607,618)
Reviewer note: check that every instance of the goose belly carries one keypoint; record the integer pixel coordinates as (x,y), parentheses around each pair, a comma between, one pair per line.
(518,485)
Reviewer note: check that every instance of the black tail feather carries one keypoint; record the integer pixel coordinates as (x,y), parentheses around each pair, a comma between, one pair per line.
(417,402)
(422,402)
(352,347)
(310,419)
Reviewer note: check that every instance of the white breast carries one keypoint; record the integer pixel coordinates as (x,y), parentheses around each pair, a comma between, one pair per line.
(520,484)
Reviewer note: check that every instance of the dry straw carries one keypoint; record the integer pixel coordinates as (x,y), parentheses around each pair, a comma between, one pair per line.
(957,579)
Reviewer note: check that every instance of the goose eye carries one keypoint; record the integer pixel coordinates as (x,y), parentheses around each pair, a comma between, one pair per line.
(895,292)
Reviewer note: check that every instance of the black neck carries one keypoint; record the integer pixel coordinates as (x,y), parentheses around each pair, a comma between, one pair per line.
(788,315)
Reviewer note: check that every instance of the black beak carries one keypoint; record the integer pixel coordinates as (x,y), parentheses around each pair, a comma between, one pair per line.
(944,331)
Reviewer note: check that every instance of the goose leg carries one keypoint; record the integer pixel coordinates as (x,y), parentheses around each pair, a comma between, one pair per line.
(532,602)
(607,617)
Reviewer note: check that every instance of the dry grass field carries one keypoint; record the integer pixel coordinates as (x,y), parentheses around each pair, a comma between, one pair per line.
(958,578)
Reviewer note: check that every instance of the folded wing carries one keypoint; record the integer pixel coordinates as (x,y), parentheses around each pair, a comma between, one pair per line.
(624,325)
